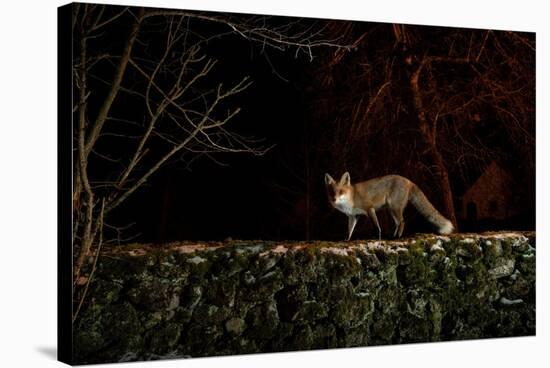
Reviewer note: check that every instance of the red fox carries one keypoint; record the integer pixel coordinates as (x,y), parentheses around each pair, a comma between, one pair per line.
(392,191)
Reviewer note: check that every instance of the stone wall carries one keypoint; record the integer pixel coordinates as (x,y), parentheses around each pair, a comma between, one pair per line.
(189,300)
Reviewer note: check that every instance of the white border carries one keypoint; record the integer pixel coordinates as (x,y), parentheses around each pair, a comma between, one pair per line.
(28,181)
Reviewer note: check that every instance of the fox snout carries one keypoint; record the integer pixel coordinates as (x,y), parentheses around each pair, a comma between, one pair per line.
(341,199)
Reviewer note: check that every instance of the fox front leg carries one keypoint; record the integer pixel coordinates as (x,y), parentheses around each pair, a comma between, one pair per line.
(352,221)
(372,214)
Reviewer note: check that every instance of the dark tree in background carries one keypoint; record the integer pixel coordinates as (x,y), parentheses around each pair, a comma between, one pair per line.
(427,103)
(147,92)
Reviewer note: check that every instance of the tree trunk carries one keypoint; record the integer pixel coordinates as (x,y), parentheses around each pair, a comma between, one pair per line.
(428,131)
(88,218)
(445,185)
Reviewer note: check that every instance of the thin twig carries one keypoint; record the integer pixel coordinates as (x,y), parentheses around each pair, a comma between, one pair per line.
(95,261)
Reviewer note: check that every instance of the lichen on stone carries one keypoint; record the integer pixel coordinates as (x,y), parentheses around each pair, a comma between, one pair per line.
(207,299)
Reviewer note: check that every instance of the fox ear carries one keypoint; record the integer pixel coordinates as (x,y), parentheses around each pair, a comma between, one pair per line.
(329,180)
(345,180)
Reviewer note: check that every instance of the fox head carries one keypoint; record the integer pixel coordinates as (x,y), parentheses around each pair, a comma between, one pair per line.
(339,193)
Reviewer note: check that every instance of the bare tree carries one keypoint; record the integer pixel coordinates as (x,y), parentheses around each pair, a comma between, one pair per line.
(162,67)
(412,100)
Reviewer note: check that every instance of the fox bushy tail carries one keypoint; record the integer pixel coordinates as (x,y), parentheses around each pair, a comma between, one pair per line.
(423,205)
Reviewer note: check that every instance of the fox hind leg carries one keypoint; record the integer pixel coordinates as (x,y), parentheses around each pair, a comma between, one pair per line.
(401,226)
(397,215)
(397,223)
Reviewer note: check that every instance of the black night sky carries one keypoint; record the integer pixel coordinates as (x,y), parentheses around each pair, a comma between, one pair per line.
(342,109)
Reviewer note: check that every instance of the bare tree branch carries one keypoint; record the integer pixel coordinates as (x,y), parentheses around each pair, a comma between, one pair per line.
(111,95)
(182,107)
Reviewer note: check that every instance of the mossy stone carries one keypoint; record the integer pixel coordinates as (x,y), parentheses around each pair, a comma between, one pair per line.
(253,296)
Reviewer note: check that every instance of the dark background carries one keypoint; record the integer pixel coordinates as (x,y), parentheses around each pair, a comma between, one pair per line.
(290,108)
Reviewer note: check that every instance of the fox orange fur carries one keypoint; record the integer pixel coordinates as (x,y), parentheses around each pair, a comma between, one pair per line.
(391,191)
